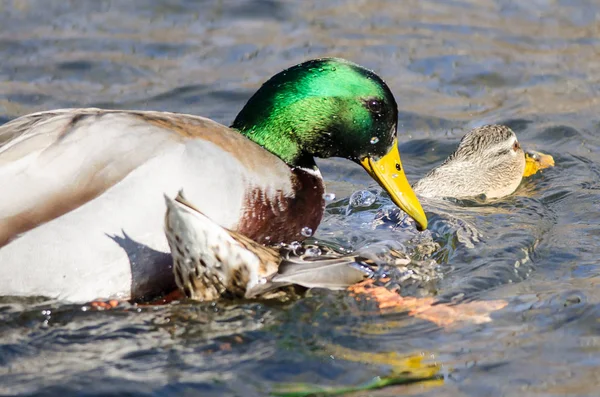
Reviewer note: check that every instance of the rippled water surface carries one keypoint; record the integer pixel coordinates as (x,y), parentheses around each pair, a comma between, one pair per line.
(452,65)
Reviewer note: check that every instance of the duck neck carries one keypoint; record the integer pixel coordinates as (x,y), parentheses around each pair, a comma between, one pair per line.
(275,137)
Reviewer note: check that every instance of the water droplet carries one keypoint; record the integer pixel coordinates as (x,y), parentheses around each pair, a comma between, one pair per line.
(321,69)
(362,198)
(374,140)
(268,238)
(295,245)
(312,251)
(262,280)
(306,231)
(329,196)
(333,69)
(394,175)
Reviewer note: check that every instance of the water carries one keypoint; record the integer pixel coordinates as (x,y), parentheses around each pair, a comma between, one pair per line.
(329,197)
(452,65)
(306,231)
(362,198)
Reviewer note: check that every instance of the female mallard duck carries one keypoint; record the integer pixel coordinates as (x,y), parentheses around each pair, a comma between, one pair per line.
(489,161)
(81,215)
(210,261)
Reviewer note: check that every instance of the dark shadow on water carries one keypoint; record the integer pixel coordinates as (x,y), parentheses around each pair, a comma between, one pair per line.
(559,134)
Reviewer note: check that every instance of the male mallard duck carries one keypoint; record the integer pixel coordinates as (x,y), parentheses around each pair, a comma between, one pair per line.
(210,261)
(81,215)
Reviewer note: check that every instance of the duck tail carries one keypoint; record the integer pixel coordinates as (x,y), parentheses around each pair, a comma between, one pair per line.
(210,261)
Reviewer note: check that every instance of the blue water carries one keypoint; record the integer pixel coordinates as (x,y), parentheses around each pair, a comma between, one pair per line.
(452,66)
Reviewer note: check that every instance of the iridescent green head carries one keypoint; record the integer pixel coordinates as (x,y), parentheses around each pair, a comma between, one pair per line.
(321,108)
(331,107)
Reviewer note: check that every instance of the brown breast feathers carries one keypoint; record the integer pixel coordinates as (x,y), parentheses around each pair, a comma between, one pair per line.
(277,218)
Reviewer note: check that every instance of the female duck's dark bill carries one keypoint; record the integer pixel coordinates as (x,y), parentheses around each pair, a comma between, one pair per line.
(389,173)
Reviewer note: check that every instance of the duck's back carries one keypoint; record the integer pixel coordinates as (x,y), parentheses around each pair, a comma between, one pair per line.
(81,215)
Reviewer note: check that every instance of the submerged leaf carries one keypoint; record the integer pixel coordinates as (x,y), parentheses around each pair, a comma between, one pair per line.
(405,370)
(442,314)
(308,390)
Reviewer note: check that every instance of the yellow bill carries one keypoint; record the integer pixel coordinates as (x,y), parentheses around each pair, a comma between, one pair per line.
(389,173)
(535,161)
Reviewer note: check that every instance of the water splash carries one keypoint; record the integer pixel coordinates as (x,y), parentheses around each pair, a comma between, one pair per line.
(362,198)
(329,197)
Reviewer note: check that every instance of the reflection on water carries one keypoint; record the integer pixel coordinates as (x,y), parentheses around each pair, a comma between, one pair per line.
(452,66)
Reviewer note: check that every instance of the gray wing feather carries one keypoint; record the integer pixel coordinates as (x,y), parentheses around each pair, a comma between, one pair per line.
(334,274)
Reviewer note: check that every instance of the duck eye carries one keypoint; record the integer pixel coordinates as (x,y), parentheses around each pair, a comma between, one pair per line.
(516,146)
(374,105)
